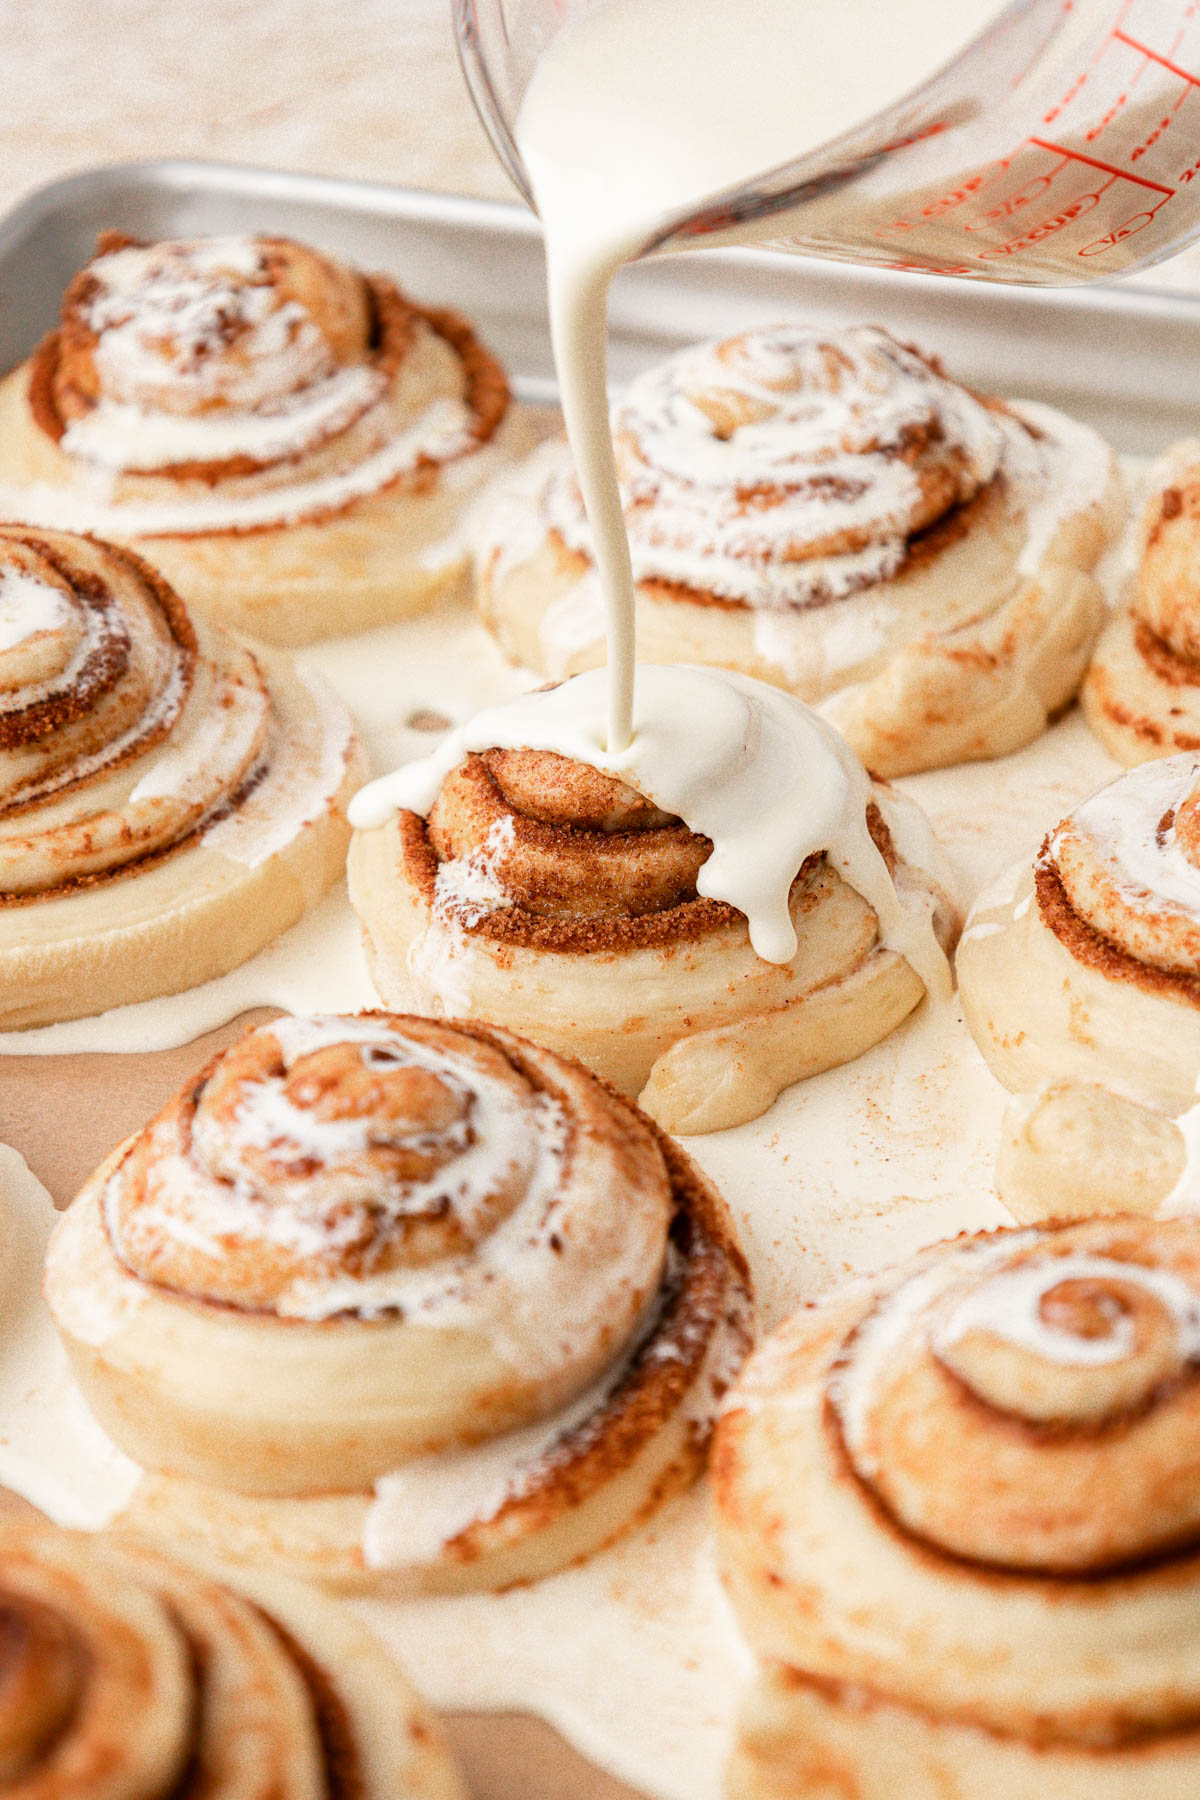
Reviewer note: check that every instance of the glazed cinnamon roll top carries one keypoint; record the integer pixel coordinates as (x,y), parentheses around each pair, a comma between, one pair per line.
(426,1238)
(392,1167)
(120,736)
(788,466)
(256,362)
(1118,881)
(522,828)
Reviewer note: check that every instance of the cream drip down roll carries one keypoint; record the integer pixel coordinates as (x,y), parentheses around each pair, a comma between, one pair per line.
(291,441)
(957,1518)
(170,800)
(400,1305)
(130,1674)
(1080,980)
(1142,692)
(726,907)
(831,513)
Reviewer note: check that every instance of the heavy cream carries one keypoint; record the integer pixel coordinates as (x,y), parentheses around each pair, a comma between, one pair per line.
(742,763)
(638,111)
(29,607)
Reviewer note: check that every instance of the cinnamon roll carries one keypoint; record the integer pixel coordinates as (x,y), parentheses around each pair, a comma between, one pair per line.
(957,1517)
(564,893)
(292,442)
(828,512)
(1080,980)
(400,1305)
(169,800)
(1142,692)
(131,1675)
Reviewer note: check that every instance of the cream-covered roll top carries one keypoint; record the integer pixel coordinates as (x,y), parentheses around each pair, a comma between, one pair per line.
(121,732)
(644,910)
(787,466)
(229,383)
(390,1301)
(407,1172)
(830,512)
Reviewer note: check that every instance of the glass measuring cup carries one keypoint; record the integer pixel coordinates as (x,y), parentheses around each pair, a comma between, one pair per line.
(1062,145)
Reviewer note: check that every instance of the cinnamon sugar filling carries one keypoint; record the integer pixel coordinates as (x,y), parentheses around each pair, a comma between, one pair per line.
(104,667)
(335,1729)
(1097,1733)
(44,1670)
(705,1292)
(150,859)
(1164,662)
(25,1621)
(1180,1550)
(436,1221)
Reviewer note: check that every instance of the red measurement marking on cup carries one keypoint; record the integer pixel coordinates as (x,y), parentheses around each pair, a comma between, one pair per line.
(1095,163)
(1104,157)
(1157,56)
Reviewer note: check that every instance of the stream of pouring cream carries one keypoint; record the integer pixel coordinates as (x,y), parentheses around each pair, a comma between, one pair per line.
(639,110)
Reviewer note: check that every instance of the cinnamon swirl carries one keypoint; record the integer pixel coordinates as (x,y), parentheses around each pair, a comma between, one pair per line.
(169,801)
(957,1517)
(828,512)
(399,1304)
(1142,692)
(130,1675)
(291,441)
(1080,980)
(792,918)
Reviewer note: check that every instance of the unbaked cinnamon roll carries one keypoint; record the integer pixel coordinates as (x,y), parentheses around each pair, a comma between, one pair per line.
(292,442)
(1142,692)
(555,896)
(397,1304)
(130,1675)
(827,511)
(169,800)
(1080,980)
(958,1519)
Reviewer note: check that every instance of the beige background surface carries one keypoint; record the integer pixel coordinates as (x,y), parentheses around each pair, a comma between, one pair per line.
(353,87)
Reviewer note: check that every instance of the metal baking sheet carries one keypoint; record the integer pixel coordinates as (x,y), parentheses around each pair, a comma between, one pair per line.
(1125,359)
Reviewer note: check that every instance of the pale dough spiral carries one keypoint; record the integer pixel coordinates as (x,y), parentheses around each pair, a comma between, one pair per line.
(1142,692)
(380,1255)
(957,1519)
(1080,980)
(130,1675)
(169,799)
